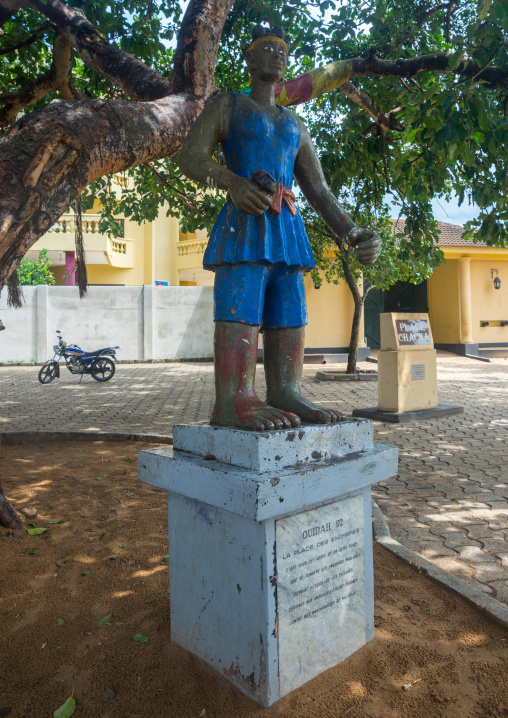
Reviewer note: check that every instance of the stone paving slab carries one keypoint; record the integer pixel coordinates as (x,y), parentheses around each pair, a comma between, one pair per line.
(449,502)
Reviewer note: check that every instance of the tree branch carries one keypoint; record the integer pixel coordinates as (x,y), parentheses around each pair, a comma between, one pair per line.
(121,69)
(437,62)
(58,77)
(8,8)
(423,17)
(48,157)
(164,181)
(198,44)
(386,121)
(27,41)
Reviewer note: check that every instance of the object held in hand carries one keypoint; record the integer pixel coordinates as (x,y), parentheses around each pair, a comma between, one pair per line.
(266,183)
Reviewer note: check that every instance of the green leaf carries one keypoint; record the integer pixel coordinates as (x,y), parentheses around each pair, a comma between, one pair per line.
(67,709)
(122,545)
(434,87)
(60,622)
(165,558)
(483,8)
(104,620)
(86,573)
(448,133)
(98,478)
(455,59)
(36,532)
(62,521)
(140,639)
(501,13)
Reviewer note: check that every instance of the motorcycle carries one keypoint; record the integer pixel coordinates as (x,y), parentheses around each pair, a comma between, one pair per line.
(100,364)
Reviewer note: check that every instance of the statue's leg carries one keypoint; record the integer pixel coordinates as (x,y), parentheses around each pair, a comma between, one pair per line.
(236,402)
(283,359)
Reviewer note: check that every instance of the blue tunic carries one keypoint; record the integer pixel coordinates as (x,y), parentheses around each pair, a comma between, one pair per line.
(258,140)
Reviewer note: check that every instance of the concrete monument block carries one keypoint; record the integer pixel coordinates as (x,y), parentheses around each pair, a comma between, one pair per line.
(270,547)
(407,364)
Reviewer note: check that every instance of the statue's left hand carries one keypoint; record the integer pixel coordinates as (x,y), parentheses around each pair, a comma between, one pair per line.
(366,243)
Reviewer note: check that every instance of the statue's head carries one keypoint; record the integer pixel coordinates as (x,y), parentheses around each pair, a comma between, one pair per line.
(266,55)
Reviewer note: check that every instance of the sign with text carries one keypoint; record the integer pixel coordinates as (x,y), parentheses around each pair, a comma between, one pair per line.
(320,589)
(417,372)
(413,332)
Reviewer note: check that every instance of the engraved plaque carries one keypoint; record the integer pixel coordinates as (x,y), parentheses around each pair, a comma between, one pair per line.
(413,332)
(417,372)
(320,589)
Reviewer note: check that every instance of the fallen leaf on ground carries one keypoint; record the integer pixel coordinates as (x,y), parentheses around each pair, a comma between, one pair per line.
(86,573)
(67,709)
(105,620)
(122,545)
(60,622)
(36,532)
(140,639)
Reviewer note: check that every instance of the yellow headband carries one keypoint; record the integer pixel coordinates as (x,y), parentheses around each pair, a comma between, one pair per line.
(267,38)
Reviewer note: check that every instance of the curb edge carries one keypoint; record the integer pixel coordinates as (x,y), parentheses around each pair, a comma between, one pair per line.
(491,606)
(18,437)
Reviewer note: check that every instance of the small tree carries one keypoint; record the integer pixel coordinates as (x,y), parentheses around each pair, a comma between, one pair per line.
(399,261)
(37,272)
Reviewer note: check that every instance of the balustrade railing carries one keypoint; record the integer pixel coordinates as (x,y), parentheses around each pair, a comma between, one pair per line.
(89,225)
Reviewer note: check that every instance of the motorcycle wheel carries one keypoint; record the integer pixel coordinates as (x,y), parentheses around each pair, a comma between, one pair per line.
(103,369)
(47,373)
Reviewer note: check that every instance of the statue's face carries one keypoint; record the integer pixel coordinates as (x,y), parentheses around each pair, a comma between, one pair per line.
(268,61)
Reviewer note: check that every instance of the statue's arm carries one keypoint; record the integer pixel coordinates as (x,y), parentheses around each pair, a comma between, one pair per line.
(311,180)
(196,157)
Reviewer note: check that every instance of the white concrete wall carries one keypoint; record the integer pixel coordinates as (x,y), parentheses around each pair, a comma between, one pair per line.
(146,322)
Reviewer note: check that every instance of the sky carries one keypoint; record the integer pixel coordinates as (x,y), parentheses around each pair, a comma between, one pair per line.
(451,212)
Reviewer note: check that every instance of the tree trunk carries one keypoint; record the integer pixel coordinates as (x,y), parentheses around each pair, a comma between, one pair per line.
(48,157)
(357,315)
(9,518)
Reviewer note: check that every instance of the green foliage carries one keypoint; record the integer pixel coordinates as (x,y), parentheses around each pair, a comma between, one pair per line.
(37,272)
(455,140)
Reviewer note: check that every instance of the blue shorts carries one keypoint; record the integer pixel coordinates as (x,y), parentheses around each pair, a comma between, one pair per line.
(267,295)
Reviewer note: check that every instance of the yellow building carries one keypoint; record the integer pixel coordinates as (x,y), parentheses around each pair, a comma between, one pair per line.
(466,298)
(467,312)
(157,252)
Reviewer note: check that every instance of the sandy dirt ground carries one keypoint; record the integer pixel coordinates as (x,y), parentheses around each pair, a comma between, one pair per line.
(433,654)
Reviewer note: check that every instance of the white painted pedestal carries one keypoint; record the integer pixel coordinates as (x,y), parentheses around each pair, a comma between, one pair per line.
(270,547)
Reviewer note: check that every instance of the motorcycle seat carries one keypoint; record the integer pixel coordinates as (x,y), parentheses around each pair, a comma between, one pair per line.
(95,353)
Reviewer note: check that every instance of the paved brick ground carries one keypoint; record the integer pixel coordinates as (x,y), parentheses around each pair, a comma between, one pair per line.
(449,502)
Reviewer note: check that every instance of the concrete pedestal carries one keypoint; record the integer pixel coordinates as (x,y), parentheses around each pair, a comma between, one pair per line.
(270,547)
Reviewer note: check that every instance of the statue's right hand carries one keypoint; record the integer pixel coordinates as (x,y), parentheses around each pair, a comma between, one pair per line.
(248,198)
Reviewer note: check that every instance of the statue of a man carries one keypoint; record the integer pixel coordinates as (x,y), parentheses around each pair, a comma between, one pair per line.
(258,247)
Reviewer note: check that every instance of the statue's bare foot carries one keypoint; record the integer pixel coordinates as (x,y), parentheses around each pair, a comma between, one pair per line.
(306,410)
(250,413)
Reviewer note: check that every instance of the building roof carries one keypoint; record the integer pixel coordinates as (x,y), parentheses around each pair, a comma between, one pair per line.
(450,234)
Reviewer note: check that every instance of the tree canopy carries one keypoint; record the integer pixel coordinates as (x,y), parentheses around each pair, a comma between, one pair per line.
(99,88)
